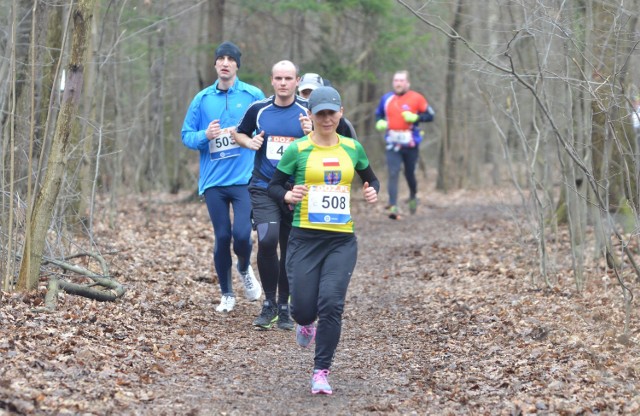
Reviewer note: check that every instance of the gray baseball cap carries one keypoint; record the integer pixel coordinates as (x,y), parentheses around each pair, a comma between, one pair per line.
(324,98)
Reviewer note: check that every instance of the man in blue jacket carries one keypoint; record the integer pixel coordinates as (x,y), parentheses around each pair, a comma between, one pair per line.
(225,169)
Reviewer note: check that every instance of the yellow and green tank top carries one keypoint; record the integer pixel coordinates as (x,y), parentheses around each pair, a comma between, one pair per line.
(327,172)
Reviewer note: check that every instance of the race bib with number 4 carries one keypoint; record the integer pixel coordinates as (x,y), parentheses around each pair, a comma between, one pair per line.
(276,145)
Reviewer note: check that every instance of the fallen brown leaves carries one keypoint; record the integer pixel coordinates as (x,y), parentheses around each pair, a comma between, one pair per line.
(446,314)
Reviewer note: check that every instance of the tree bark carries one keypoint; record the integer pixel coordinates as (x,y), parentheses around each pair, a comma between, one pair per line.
(448,174)
(85,139)
(114,289)
(48,194)
(611,166)
(215,33)
(157,163)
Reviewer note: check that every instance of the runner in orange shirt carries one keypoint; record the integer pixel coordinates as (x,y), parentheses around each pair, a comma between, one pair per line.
(398,115)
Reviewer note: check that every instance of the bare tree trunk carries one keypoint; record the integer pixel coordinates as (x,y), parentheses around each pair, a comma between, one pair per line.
(447,172)
(215,33)
(200,67)
(20,47)
(492,147)
(367,94)
(157,163)
(55,36)
(8,218)
(48,194)
(610,145)
(572,205)
(116,177)
(87,160)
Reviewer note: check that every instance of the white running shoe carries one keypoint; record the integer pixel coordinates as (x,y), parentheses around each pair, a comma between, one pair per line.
(226,304)
(252,288)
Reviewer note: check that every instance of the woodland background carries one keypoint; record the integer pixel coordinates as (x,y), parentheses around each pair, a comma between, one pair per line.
(533,96)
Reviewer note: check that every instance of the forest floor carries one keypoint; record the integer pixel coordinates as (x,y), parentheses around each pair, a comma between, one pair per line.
(446,314)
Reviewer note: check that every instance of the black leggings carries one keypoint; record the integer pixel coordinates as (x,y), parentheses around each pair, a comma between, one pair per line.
(273,226)
(320,264)
(273,273)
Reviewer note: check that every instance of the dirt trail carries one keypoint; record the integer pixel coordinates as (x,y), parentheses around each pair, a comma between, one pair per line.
(441,318)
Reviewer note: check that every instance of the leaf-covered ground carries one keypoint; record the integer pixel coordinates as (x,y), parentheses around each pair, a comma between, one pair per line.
(446,314)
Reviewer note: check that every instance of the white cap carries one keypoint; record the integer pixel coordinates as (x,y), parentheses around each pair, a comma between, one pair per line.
(310,81)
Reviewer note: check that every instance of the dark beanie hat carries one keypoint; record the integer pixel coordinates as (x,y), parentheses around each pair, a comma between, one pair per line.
(229,49)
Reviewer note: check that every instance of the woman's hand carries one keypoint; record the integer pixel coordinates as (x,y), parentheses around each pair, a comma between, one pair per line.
(370,194)
(296,194)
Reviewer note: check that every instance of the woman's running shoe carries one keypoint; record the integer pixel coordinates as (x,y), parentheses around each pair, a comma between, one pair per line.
(305,334)
(320,382)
